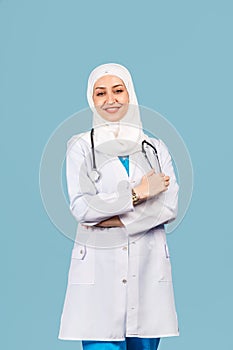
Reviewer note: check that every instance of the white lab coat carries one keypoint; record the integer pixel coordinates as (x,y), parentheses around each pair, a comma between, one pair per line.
(120,281)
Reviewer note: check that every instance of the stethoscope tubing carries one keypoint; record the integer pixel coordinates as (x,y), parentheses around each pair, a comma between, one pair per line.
(95,174)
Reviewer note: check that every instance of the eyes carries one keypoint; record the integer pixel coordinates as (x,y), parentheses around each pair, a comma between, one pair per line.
(102,93)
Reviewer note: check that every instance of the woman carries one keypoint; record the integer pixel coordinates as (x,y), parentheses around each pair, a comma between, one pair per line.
(119,293)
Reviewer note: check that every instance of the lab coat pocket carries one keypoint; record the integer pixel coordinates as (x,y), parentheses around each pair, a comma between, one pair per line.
(166,273)
(82,266)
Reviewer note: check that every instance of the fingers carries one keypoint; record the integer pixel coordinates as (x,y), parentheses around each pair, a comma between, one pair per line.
(151,172)
(166,181)
(85,226)
(153,183)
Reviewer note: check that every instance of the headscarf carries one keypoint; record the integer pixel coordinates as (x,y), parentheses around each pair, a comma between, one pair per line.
(125,136)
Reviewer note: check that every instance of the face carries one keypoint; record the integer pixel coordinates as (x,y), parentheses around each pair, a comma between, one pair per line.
(110,97)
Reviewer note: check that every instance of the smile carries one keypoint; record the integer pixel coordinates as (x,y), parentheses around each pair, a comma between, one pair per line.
(112,110)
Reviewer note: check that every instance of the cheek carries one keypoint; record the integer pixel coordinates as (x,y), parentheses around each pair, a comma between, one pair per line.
(123,98)
(97,100)
(125,108)
(126,98)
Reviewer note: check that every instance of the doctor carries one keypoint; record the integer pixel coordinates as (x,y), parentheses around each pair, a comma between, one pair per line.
(119,293)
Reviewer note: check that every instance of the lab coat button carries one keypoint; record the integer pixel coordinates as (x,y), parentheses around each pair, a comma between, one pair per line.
(124,280)
(124,248)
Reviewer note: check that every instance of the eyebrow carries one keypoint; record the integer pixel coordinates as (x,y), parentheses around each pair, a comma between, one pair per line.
(103,87)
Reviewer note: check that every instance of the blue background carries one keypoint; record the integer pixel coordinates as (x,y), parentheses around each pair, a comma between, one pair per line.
(180,56)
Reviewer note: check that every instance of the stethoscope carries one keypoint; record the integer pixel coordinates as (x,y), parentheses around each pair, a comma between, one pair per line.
(95,174)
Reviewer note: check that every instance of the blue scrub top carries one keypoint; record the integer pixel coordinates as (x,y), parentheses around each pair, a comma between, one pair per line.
(125,161)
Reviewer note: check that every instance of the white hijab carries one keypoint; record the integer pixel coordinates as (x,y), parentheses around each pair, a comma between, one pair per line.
(125,136)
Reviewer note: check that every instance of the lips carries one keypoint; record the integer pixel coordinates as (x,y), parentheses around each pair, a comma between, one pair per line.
(112,109)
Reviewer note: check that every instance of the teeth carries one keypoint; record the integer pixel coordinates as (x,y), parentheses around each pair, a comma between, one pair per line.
(112,109)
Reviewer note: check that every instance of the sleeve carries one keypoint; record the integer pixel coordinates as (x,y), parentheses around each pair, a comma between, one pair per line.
(160,209)
(86,204)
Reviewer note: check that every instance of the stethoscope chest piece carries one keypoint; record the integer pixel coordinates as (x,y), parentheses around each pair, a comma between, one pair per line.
(95,175)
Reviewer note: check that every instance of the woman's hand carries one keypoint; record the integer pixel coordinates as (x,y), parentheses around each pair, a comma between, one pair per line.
(111,222)
(152,184)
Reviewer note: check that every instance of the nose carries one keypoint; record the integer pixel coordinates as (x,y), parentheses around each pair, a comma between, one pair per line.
(110,98)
